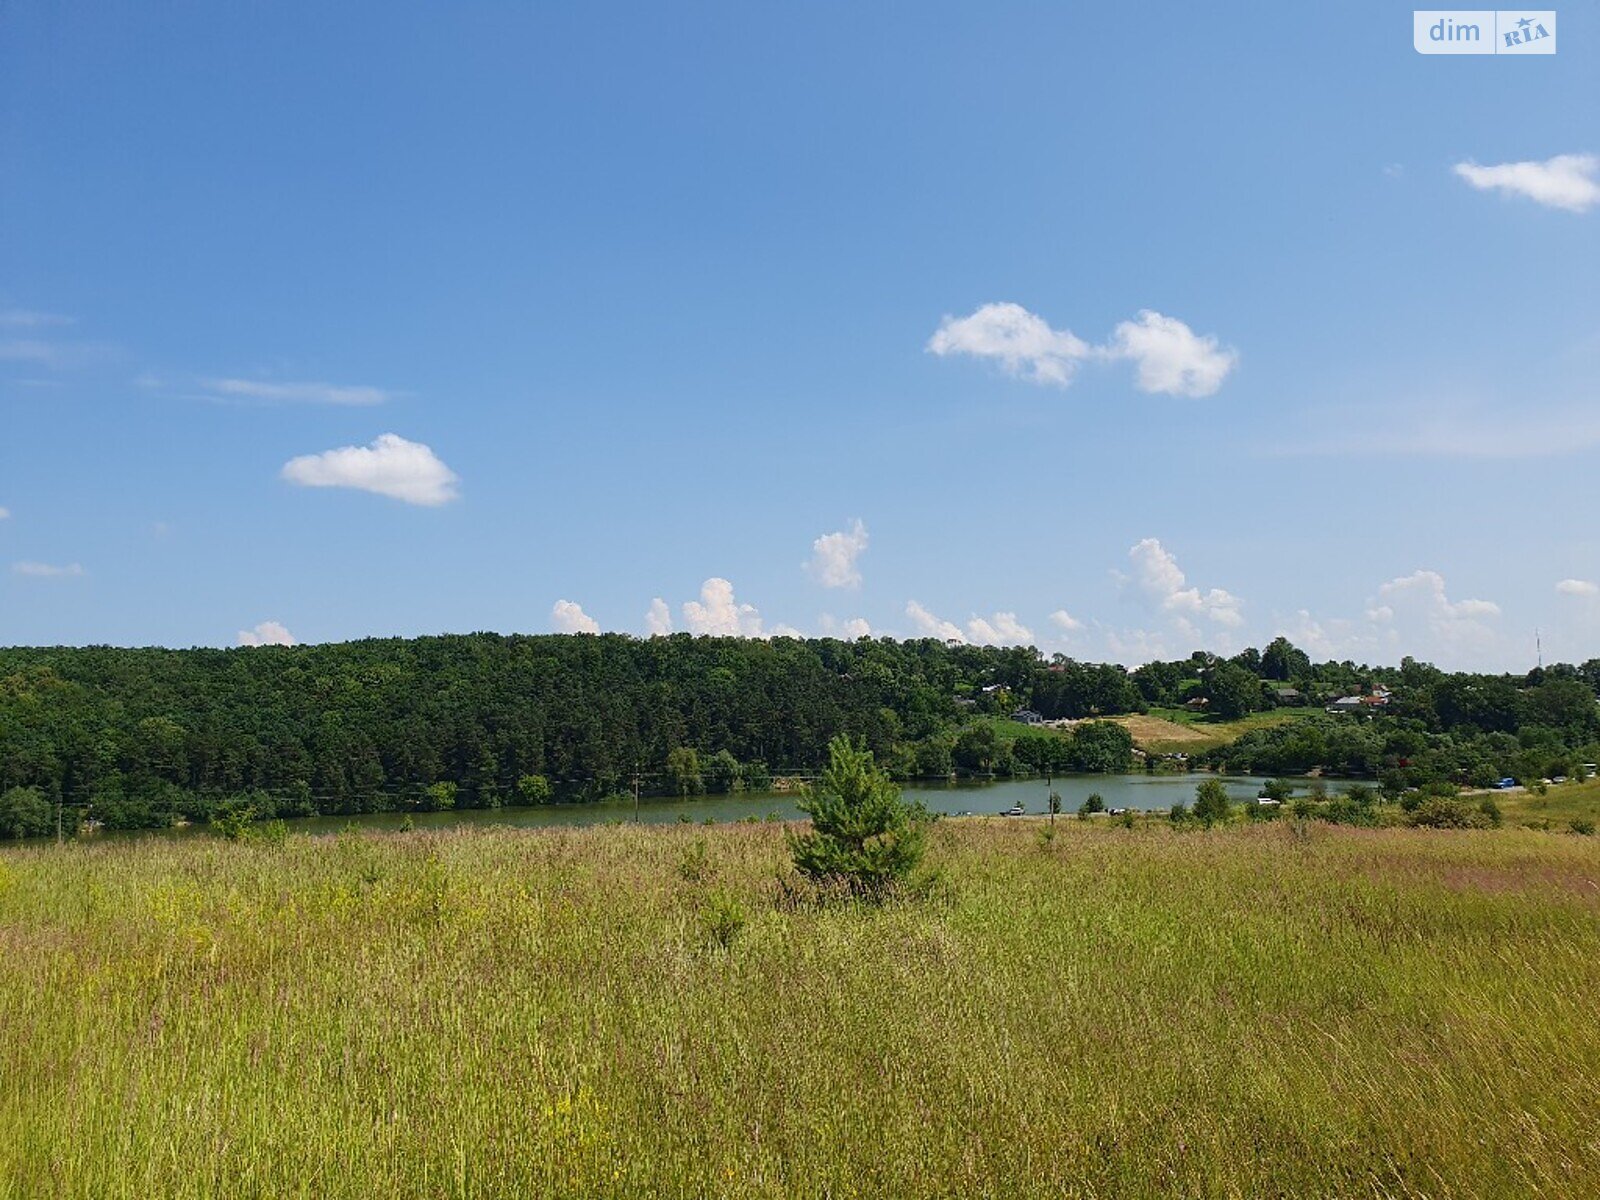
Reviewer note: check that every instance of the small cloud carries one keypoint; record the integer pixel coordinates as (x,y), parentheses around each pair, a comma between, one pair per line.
(834,555)
(391,466)
(1578,587)
(718,614)
(928,625)
(39,570)
(1157,573)
(1567,181)
(296,393)
(1022,342)
(658,621)
(5,514)
(1000,629)
(1065,621)
(1172,359)
(849,631)
(1420,598)
(567,617)
(785,631)
(268,633)
(1394,170)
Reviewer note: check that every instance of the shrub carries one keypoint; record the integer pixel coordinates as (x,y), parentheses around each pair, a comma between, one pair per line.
(1581,825)
(1094,804)
(1211,802)
(1278,789)
(723,916)
(695,866)
(1179,814)
(534,789)
(1490,811)
(1442,812)
(232,819)
(24,812)
(863,836)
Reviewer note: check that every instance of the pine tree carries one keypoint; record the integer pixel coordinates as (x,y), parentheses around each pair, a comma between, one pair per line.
(864,836)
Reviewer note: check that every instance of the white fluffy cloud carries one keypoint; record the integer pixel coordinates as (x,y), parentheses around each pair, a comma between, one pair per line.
(999,629)
(1023,342)
(1065,621)
(39,570)
(1157,573)
(719,614)
(567,617)
(1170,357)
(267,633)
(849,631)
(1578,587)
(1419,600)
(295,393)
(1567,181)
(5,514)
(658,621)
(834,555)
(391,466)
(928,625)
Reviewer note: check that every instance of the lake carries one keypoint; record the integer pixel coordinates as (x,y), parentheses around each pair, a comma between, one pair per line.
(1149,793)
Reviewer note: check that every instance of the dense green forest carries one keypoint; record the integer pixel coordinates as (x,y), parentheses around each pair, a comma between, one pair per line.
(144,737)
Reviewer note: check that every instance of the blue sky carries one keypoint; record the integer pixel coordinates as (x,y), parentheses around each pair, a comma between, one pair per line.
(645,303)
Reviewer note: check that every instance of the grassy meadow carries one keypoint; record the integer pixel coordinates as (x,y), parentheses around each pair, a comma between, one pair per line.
(1252,1011)
(1179,731)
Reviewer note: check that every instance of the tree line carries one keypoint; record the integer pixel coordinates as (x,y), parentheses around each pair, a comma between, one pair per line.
(143,737)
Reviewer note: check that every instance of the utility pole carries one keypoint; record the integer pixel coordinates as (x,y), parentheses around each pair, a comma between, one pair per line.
(636,793)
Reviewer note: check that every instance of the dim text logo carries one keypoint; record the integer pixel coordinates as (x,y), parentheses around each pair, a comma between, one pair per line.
(1483,31)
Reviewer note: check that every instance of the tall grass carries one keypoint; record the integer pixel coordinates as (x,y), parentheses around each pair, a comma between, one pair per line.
(1265,1011)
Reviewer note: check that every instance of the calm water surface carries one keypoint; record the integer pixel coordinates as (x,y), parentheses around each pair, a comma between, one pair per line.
(1150,793)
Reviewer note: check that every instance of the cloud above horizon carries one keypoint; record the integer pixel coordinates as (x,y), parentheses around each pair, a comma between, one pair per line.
(834,555)
(568,617)
(1156,572)
(1169,357)
(1420,602)
(1065,621)
(267,633)
(1570,182)
(846,630)
(1578,587)
(658,620)
(391,466)
(1000,629)
(718,614)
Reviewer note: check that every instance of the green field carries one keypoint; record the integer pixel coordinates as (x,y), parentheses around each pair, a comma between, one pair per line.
(1179,731)
(1253,1011)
